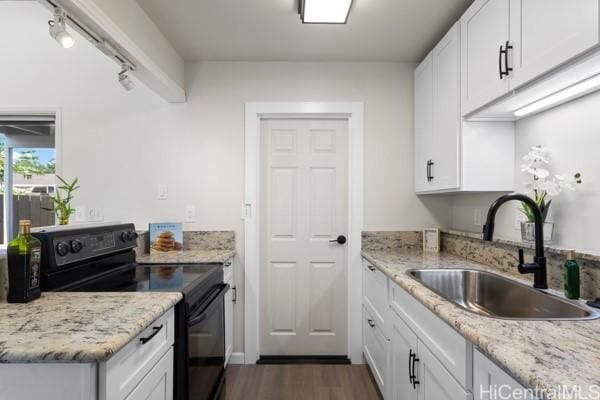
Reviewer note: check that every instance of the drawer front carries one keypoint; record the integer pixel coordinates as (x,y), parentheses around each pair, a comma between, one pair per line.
(375,349)
(448,346)
(124,371)
(158,384)
(375,292)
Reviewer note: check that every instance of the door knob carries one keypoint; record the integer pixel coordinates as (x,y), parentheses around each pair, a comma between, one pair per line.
(340,240)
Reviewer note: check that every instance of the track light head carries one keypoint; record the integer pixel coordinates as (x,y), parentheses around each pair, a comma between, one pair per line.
(124,78)
(58,29)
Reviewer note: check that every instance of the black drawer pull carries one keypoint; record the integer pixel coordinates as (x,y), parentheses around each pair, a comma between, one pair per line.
(371,323)
(234,289)
(156,329)
(371,268)
(413,377)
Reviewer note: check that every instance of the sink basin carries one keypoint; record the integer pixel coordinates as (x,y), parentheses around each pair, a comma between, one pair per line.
(492,295)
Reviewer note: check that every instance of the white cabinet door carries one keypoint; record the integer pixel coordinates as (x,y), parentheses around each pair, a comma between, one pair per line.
(546,33)
(484,28)
(229,298)
(489,379)
(403,343)
(445,170)
(158,384)
(434,381)
(423,120)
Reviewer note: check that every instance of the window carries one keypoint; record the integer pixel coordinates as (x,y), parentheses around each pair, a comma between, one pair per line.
(27,171)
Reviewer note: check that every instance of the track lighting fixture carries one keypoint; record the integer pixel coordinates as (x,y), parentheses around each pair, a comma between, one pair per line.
(58,29)
(124,78)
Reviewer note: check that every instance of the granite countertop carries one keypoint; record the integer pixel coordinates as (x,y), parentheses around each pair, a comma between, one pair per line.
(540,354)
(188,257)
(76,327)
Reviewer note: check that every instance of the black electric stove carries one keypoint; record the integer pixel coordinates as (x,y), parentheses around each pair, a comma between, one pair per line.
(102,258)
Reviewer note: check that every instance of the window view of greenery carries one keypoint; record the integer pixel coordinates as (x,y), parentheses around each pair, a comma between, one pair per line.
(33,180)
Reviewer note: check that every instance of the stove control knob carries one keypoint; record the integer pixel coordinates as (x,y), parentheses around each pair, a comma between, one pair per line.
(76,245)
(131,236)
(124,236)
(62,248)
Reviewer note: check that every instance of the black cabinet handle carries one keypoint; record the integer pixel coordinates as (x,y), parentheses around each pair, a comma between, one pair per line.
(500,62)
(410,374)
(371,268)
(234,299)
(413,377)
(427,173)
(371,323)
(339,240)
(431,164)
(507,48)
(155,329)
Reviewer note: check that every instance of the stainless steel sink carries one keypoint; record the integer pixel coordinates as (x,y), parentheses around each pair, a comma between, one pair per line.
(492,295)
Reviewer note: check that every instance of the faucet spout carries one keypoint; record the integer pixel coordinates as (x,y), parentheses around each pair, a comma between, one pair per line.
(538,267)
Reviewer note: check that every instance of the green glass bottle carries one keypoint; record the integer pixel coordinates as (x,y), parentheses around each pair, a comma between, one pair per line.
(571,277)
(24,259)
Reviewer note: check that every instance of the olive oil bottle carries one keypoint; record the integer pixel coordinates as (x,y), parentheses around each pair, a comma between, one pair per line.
(24,259)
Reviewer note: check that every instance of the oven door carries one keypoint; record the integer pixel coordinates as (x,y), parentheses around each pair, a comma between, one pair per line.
(206,347)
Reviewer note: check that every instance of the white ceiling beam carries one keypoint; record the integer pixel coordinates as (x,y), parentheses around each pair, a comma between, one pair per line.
(127,28)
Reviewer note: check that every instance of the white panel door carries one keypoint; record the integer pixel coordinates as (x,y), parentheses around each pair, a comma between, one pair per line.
(445,170)
(434,381)
(403,343)
(546,33)
(303,207)
(484,28)
(423,116)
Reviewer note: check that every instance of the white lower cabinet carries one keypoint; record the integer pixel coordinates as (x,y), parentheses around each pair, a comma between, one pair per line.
(490,382)
(403,343)
(229,301)
(158,384)
(434,381)
(375,350)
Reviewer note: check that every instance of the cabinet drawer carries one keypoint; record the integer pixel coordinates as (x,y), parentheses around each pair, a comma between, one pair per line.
(375,292)
(158,384)
(375,349)
(124,371)
(450,348)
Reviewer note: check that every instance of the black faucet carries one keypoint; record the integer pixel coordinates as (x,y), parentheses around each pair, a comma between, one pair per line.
(538,267)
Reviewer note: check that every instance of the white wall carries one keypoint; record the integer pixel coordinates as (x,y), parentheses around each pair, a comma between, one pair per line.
(572,133)
(122,145)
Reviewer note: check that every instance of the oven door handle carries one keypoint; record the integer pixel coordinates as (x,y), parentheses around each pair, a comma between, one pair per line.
(214,302)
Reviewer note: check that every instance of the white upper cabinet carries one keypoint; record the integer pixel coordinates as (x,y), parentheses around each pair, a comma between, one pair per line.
(484,33)
(546,33)
(452,155)
(423,120)
(506,44)
(444,167)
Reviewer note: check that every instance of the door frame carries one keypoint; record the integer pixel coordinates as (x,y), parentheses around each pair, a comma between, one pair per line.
(353,112)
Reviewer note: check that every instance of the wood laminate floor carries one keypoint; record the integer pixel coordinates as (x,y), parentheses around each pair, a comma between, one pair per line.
(300,382)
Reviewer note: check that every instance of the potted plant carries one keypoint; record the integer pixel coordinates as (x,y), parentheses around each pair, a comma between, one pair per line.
(543,187)
(62,203)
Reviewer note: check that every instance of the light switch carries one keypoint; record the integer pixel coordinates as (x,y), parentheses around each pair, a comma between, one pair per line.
(163,192)
(190,213)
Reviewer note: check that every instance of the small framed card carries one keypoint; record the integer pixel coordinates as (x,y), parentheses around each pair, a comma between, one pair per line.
(431,240)
(166,237)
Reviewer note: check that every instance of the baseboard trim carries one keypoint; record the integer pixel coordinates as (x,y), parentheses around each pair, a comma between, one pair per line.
(303,360)
(237,358)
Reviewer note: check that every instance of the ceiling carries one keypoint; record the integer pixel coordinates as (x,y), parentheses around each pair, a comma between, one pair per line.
(270,30)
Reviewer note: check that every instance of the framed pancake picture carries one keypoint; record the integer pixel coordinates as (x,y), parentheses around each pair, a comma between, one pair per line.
(166,237)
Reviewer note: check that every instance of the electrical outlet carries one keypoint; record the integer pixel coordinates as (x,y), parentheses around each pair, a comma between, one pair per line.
(190,213)
(95,214)
(80,214)
(478,217)
(519,217)
(163,192)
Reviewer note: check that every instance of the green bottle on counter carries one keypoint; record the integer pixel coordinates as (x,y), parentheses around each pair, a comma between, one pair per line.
(24,259)
(571,277)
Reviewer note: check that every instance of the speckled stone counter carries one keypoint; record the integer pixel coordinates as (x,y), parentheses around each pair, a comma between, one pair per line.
(76,327)
(187,256)
(539,354)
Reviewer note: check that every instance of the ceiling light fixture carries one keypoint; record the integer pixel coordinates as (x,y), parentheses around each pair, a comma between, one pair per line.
(58,29)
(124,78)
(577,90)
(324,11)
